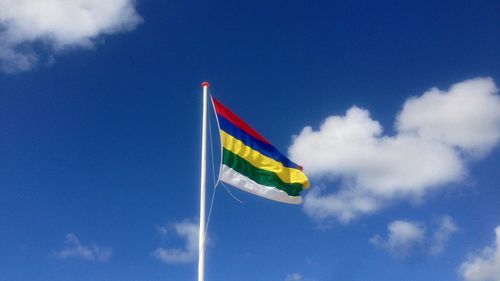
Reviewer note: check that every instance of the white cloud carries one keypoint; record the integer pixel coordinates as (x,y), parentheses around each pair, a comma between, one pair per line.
(57,25)
(345,205)
(467,116)
(484,266)
(293,277)
(434,134)
(402,238)
(75,249)
(446,228)
(188,231)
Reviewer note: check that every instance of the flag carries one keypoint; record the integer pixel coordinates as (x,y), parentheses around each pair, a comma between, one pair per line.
(253,164)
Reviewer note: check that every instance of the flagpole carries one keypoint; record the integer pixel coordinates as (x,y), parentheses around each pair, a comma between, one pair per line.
(201,233)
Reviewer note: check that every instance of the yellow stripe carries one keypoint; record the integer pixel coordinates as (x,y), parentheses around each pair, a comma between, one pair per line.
(286,174)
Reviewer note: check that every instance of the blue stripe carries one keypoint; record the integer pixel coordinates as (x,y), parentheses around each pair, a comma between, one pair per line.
(262,147)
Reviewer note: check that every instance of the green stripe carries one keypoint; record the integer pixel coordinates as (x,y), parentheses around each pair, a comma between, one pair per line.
(259,176)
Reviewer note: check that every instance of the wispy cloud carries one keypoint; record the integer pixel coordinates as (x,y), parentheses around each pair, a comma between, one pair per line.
(56,25)
(446,228)
(404,237)
(293,277)
(75,249)
(188,231)
(435,134)
(484,266)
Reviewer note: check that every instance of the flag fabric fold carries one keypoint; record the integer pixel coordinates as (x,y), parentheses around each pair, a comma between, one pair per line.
(251,163)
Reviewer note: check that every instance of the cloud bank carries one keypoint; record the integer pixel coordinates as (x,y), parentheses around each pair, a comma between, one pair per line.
(436,133)
(186,230)
(75,249)
(484,266)
(56,25)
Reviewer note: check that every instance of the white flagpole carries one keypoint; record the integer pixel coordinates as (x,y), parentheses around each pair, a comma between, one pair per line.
(201,235)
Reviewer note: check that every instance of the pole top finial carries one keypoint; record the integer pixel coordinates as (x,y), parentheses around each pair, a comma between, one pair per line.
(205,84)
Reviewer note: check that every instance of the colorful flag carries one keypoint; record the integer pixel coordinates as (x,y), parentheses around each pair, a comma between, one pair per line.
(253,164)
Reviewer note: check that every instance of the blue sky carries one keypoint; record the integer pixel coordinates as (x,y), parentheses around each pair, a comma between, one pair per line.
(100,132)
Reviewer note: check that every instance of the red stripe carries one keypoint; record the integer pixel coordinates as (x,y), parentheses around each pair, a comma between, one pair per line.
(233,118)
